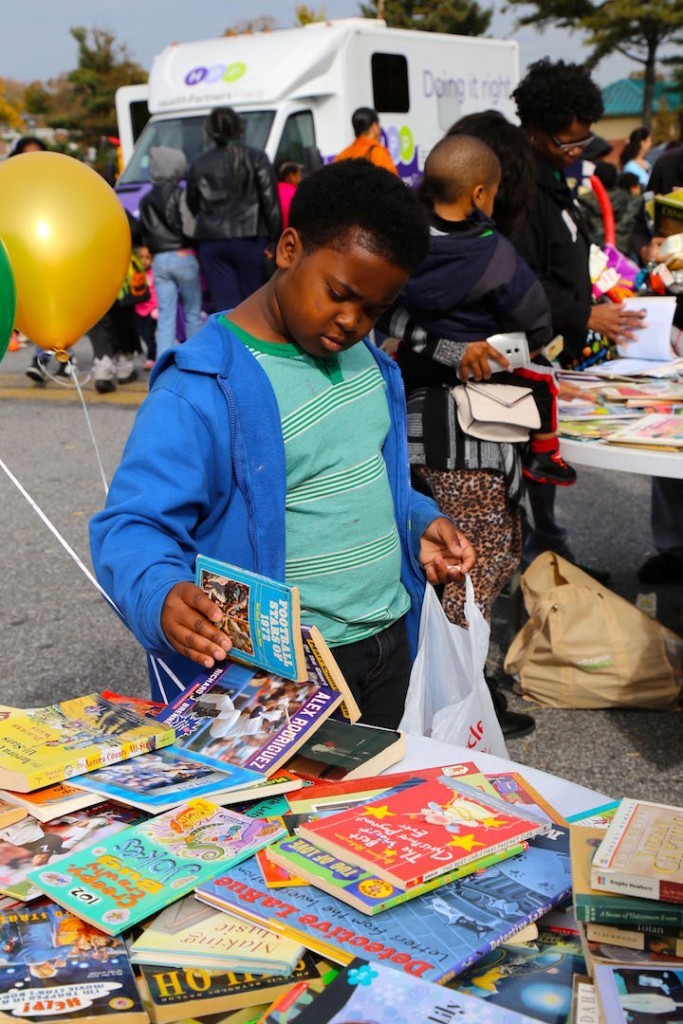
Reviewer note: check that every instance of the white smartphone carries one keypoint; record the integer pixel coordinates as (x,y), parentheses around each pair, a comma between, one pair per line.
(514,346)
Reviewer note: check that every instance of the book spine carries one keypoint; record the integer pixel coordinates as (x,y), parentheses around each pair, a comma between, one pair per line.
(615,912)
(633,938)
(637,885)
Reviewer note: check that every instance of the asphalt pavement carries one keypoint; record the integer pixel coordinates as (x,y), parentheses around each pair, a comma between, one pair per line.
(59,639)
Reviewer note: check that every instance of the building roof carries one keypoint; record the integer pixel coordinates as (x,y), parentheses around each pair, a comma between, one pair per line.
(625,97)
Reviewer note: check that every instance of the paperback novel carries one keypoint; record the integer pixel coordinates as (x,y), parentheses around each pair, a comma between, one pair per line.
(641,853)
(126,878)
(60,741)
(55,967)
(424,831)
(607,907)
(261,616)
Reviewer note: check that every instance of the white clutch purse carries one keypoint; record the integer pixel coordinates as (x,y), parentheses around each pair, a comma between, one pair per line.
(496,412)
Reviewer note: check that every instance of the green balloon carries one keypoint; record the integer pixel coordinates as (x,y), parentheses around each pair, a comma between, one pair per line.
(8,299)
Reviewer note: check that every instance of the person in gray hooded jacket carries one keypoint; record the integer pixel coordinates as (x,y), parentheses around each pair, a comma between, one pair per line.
(174,263)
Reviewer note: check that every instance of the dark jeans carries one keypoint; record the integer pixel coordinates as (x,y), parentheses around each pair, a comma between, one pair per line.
(543,533)
(233,268)
(377,670)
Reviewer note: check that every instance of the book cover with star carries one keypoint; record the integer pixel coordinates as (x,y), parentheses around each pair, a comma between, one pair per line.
(425,831)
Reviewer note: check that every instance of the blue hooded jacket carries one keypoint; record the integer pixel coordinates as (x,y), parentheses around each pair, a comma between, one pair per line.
(203,471)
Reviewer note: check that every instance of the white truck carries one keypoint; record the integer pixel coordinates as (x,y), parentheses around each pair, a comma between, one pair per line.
(296,89)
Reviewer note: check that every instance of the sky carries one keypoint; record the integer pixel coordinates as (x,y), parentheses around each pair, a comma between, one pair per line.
(35,42)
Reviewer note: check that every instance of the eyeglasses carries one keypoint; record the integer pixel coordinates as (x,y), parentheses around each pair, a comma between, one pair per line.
(567,147)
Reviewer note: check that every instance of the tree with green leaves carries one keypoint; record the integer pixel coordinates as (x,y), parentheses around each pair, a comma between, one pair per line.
(455,17)
(637,29)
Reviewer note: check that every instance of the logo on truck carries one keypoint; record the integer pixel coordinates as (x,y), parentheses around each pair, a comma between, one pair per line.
(216,73)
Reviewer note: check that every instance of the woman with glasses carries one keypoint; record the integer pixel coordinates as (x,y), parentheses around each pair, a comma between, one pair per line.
(557,104)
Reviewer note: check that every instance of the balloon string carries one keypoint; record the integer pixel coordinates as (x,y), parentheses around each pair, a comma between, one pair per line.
(155,661)
(103,475)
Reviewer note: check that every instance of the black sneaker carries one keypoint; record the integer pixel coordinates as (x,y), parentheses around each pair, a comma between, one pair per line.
(65,369)
(661,569)
(548,468)
(37,372)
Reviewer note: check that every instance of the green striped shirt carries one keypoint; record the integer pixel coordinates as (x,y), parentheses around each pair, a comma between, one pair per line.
(343,548)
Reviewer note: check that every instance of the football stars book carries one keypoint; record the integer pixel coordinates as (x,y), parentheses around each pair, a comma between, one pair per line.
(424,831)
(433,936)
(609,907)
(261,616)
(641,853)
(55,967)
(126,878)
(50,744)
(373,993)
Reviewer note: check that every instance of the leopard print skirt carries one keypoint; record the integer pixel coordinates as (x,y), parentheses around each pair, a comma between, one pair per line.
(477,502)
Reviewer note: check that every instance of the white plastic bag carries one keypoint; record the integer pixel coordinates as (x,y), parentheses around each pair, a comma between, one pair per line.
(448,698)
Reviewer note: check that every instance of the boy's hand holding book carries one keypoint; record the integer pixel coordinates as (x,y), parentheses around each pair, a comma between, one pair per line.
(445,553)
(188,620)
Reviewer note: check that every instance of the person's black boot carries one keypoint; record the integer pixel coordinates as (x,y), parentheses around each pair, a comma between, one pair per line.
(513,724)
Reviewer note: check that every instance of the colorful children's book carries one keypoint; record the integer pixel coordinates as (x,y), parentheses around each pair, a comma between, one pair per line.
(373,993)
(254,720)
(340,750)
(126,878)
(49,744)
(607,907)
(261,616)
(434,936)
(424,831)
(162,779)
(536,979)
(174,995)
(30,843)
(652,431)
(54,967)
(637,995)
(287,1007)
(641,853)
(52,801)
(190,934)
(359,888)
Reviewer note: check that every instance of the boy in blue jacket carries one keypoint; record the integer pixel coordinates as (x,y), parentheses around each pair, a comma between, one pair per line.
(272,440)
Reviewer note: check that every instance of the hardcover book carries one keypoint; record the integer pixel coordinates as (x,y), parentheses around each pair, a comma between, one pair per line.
(190,934)
(640,939)
(49,744)
(373,993)
(52,801)
(424,831)
(172,995)
(603,952)
(607,907)
(641,853)
(433,936)
(126,878)
(261,616)
(637,995)
(254,720)
(340,750)
(30,843)
(54,967)
(162,779)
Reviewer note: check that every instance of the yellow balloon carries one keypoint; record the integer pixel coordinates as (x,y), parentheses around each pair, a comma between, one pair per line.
(69,243)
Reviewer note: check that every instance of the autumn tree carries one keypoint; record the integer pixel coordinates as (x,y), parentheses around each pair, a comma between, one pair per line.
(637,29)
(305,15)
(457,17)
(262,23)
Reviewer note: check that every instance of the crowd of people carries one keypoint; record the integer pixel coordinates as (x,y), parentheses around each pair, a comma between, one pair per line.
(248,446)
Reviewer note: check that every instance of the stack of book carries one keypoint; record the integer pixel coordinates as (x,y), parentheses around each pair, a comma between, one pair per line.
(628,886)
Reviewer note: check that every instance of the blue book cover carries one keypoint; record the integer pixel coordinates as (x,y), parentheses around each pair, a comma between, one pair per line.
(164,778)
(434,936)
(535,978)
(128,877)
(377,995)
(55,967)
(639,995)
(260,616)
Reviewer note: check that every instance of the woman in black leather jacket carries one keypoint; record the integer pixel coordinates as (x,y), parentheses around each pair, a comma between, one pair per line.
(232,191)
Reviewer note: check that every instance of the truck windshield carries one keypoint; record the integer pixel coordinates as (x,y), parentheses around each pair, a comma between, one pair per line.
(187,133)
